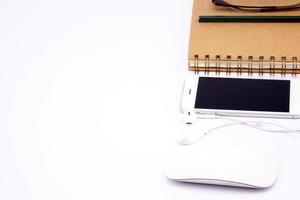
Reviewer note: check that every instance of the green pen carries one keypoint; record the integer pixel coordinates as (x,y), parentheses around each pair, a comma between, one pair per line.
(249,19)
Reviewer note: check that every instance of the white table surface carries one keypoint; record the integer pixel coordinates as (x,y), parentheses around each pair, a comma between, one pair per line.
(89,104)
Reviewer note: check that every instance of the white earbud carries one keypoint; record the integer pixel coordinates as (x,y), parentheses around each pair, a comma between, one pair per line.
(189,135)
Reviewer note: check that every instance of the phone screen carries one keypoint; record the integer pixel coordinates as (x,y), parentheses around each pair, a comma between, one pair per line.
(243,94)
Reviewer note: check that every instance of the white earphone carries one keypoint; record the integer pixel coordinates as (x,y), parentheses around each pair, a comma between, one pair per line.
(191,133)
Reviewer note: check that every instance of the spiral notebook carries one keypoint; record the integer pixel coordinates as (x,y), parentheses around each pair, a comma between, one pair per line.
(252,48)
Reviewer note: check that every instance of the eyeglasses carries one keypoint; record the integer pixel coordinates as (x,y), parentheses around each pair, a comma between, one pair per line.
(256,8)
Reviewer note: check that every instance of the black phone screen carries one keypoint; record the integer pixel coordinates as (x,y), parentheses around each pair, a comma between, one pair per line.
(243,94)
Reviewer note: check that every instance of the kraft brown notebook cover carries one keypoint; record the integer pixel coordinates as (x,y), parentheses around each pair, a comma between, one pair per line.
(243,47)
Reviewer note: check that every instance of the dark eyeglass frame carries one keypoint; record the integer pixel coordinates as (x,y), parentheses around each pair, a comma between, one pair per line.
(223,3)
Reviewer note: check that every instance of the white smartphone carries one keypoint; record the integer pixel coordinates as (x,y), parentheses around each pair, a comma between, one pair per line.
(249,97)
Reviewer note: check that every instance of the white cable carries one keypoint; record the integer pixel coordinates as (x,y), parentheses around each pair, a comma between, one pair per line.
(258,125)
(252,124)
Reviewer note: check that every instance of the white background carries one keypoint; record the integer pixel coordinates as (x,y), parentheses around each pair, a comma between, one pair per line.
(89,104)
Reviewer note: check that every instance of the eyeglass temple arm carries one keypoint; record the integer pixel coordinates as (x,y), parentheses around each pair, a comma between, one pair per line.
(262,8)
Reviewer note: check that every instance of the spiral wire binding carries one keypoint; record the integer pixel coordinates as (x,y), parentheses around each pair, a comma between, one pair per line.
(239,65)
(260,66)
(295,63)
(196,64)
(272,66)
(228,65)
(207,64)
(218,64)
(250,65)
(283,66)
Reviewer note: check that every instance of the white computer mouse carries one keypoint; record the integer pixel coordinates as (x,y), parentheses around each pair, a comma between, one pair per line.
(228,167)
